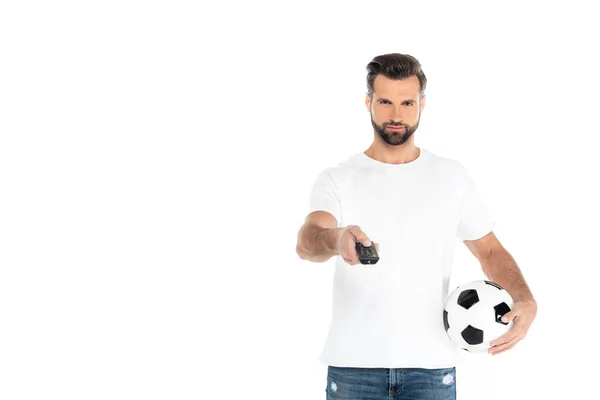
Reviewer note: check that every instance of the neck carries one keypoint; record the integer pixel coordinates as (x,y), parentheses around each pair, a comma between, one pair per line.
(402,154)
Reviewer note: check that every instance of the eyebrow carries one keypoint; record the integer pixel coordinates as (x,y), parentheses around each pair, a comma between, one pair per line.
(404,101)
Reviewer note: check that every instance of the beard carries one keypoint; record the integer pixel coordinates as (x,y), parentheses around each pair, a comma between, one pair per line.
(395,138)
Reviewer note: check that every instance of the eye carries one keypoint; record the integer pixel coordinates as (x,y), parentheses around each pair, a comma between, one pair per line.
(384,102)
(408,103)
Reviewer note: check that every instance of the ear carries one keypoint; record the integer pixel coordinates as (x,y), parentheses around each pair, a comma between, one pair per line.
(423,102)
(368,102)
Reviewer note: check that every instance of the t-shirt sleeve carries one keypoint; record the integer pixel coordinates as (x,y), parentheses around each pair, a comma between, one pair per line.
(476,220)
(324,195)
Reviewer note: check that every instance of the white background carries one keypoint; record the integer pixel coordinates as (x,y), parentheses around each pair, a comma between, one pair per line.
(155,165)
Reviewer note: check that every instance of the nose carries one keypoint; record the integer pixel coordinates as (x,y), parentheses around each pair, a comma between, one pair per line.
(397,115)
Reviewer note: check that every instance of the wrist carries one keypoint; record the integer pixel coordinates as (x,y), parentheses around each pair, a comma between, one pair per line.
(335,239)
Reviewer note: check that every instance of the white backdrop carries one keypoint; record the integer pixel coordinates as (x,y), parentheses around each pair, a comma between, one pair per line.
(155,165)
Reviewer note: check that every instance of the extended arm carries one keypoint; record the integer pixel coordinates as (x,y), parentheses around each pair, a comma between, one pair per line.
(318,236)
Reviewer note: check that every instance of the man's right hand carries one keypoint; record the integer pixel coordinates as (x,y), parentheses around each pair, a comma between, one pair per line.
(346,243)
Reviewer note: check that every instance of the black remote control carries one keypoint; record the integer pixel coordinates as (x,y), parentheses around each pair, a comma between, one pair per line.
(367,255)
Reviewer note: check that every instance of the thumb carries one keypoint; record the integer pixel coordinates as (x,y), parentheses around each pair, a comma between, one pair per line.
(509,316)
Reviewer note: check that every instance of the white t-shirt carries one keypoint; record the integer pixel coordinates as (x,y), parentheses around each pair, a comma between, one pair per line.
(389,314)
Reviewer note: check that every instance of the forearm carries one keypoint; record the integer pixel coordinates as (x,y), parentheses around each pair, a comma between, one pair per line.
(501,268)
(317,244)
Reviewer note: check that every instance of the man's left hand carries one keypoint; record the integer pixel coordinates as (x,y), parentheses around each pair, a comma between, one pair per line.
(522,315)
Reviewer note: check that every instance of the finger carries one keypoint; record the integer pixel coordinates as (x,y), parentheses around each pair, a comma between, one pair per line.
(494,349)
(377,247)
(350,260)
(509,316)
(508,347)
(515,330)
(519,335)
(507,337)
(359,235)
(350,253)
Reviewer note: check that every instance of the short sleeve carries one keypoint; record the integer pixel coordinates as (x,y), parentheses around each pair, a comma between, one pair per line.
(475,219)
(324,195)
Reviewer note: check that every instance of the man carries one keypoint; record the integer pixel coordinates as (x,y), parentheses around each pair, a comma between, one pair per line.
(386,336)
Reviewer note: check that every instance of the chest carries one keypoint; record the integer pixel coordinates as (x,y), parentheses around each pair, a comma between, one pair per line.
(391,207)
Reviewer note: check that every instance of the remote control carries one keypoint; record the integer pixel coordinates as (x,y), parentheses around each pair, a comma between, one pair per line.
(367,255)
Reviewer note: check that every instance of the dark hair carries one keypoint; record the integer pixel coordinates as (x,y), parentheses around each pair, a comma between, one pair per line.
(395,66)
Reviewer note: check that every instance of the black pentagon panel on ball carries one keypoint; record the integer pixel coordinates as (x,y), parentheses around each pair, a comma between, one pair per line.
(472,335)
(494,285)
(446,325)
(467,298)
(500,310)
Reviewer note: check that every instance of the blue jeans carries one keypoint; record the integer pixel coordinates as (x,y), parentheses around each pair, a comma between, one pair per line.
(350,383)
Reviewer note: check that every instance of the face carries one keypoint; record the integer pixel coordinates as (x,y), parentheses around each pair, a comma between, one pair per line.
(396,108)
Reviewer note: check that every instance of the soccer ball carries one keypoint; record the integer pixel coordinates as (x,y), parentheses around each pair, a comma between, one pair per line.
(473,312)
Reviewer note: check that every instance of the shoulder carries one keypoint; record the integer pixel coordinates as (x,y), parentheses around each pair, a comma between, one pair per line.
(449,166)
(344,169)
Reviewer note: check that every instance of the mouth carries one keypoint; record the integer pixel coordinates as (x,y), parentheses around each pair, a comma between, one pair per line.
(396,128)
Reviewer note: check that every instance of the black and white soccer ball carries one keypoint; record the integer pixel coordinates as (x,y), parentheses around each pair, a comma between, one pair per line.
(473,312)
